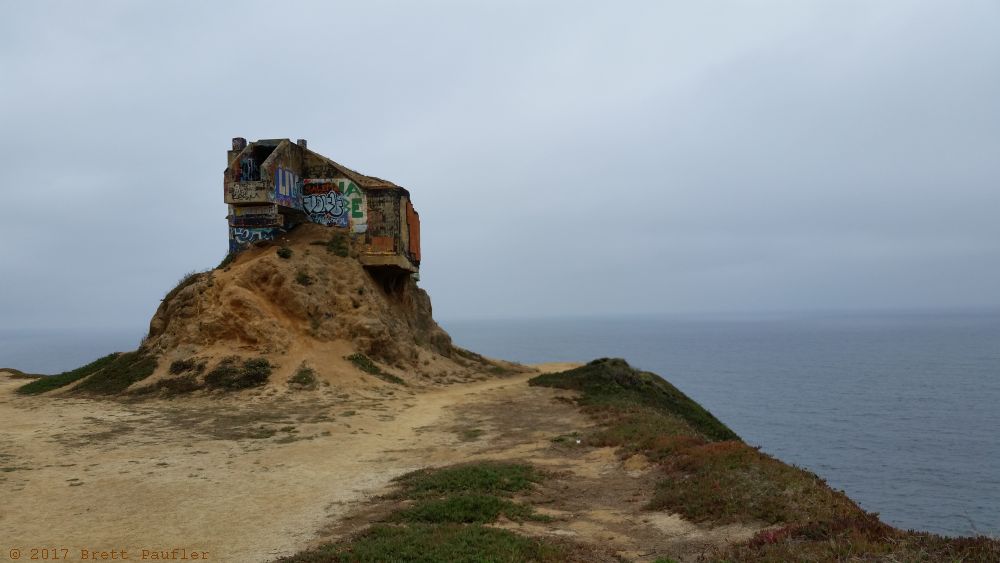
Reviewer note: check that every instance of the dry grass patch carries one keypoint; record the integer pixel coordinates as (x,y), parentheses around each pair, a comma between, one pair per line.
(859,537)
(710,474)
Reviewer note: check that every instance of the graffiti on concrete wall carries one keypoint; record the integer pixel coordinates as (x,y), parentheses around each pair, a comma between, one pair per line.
(324,204)
(249,169)
(359,206)
(287,188)
(247,192)
(248,235)
(335,202)
(241,237)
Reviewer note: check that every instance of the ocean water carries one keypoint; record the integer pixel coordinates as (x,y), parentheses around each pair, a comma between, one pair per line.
(900,411)
(54,351)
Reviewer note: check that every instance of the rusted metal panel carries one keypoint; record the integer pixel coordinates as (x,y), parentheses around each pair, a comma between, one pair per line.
(383,217)
(382,245)
(413,226)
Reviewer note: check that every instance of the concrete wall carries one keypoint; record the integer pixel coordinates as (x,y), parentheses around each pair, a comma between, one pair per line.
(335,202)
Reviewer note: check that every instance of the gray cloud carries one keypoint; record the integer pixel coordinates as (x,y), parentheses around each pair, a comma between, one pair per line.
(571,158)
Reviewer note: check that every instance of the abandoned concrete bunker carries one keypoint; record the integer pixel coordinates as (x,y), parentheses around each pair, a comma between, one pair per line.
(272,185)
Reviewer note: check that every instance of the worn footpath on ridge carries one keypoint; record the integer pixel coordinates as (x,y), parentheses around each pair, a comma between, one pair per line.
(269,473)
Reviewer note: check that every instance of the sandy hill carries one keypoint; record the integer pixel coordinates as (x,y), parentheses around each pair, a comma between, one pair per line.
(299,311)
(303,300)
(264,303)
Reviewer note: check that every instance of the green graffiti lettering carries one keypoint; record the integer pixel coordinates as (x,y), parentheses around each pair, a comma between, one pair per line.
(356,211)
(351,189)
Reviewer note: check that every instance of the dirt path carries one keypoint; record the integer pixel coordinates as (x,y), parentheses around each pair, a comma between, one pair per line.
(256,477)
(245,482)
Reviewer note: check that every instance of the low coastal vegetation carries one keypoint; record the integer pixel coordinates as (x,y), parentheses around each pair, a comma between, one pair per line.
(467,494)
(339,244)
(444,515)
(485,477)
(859,537)
(18,374)
(430,542)
(304,378)
(710,475)
(65,378)
(226,261)
(109,375)
(303,278)
(232,373)
(115,377)
(178,367)
(185,281)
(703,472)
(610,384)
(365,364)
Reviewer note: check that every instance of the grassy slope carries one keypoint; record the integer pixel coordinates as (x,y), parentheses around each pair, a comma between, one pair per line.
(612,383)
(65,378)
(18,374)
(444,520)
(116,376)
(711,475)
(109,375)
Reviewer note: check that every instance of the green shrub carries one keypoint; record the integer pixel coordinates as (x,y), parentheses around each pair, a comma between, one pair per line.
(339,244)
(303,278)
(465,509)
(172,386)
(65,378)
(119,374)
(230,374)
(428,542)
(491,477)
(284,252)
(304,378)
(365,364)
(182,366)
(445,522)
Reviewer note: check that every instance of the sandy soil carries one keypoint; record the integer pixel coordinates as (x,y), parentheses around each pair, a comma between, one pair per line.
(268,473)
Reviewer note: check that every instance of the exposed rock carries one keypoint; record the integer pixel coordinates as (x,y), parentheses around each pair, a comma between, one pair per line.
(264,304)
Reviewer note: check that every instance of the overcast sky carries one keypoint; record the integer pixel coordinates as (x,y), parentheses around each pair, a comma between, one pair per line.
(566,158)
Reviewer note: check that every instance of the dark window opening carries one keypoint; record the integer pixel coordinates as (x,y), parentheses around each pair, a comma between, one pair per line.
(250,165)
